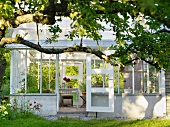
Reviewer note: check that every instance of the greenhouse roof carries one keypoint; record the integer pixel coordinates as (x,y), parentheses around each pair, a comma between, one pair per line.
(31,30)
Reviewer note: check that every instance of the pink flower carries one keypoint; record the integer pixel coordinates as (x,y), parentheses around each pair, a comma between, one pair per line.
(66,79)
(34,102)
(30,104)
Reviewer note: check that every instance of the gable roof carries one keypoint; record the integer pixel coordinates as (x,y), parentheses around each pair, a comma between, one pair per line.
(31,29)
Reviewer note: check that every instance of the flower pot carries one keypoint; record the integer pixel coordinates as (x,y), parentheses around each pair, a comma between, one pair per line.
(70,86)
(46,91)
(84,93)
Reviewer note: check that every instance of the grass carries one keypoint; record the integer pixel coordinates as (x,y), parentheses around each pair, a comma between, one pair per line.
(67,122)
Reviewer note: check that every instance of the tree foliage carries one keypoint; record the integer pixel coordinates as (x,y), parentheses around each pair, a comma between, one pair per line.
(140,27)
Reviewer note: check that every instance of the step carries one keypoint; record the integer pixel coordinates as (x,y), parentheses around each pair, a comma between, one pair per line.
(74,115)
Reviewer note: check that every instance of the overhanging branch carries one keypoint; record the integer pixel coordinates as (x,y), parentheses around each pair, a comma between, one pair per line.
(76,48)
(162,31)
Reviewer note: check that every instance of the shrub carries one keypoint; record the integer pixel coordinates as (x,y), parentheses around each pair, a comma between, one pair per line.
(11,112)
(4,110)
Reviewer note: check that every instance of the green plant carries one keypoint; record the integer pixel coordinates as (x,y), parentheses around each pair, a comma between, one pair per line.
(32,78)
(35,121)
(4,107)
(82,86)
(13,111)
(6,77)
(35,106)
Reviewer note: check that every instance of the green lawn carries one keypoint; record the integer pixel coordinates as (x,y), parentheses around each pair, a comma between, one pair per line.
(35,122)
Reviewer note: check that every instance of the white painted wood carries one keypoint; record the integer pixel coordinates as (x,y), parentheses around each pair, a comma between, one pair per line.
(80,70)
(147,82)
(118,79)
(88,82)
(159,80)
(25,71)
(99,71)
(38,75)
(162,90)
(145,74)
(56,83)
(49,67)
(90,90)
(133,81)
(61,73)
(162,83)
(11,72)
(41,73)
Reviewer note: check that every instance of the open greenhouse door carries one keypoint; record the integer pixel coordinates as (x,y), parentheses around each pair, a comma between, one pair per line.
(100,96)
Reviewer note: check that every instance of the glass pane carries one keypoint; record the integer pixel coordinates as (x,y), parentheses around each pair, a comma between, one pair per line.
(100,99)
(19,66)
(33,77)
(127,80)
(118,80)
(48,74)
(153,79)
(138,77)
(138,65)
(52,76)
(72,70)
(73,83)
(126,68)
(33,54)
(100,80)
(99,64)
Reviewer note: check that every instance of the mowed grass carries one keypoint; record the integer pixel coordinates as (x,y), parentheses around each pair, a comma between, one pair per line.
(41,122)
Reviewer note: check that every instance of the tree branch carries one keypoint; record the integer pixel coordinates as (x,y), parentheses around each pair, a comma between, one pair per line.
(151,63)
(76,48)
(5,41)
(162,31)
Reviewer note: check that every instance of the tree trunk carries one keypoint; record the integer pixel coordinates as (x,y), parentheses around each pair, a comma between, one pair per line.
(2,68)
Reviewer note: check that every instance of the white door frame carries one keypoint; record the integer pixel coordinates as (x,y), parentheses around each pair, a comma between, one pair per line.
(90,90)
(63,70)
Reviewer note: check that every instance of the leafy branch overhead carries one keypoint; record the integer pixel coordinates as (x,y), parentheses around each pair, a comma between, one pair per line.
(139,27)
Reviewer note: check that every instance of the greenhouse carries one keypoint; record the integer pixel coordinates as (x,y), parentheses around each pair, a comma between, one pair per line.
(57,83)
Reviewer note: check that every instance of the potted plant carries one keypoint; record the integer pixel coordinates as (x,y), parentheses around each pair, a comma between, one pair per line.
(47,91)
(66,80)
(99,80)
(82,87)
